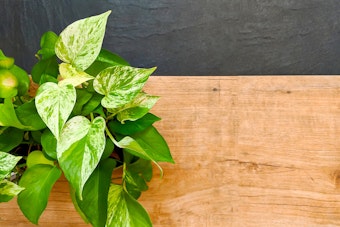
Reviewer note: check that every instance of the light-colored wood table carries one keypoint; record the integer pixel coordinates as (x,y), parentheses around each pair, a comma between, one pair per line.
(249,151)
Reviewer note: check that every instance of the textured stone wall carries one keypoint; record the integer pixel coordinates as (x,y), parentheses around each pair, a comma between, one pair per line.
(201,37)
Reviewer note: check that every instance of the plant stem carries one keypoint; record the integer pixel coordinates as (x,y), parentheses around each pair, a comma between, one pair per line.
(111,136)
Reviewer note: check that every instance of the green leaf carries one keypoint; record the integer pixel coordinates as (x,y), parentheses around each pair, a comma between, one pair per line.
(136,174)
(23,79)
(92,104)
(95,193)
(148,144)
(104,60)
(80,148)
(124,210)
(83,96)
(49,144)
(8,116)
(28,115)
(10,138)
(143,167)
(131,127)
(54,104)
(72,76)
(134,183)
(155,145)
(120,84)
(36,136)
(111,58)
(47,66)
(135,109)
(38,182)
(7,163)
(79,43)
(47,78)
(8,190)
(47,44)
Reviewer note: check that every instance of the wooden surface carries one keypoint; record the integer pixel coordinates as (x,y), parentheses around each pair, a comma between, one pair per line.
(249,151)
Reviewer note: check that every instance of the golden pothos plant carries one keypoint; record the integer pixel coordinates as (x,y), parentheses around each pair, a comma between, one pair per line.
(88,118)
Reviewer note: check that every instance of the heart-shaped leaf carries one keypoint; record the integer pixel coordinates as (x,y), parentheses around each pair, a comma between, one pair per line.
(54,104)
(7,163)
(38,181)
(80,148)
(120,84)
(79,43)
(8,190)
(124,210)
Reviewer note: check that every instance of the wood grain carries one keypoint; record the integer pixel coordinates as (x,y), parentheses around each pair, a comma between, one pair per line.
(249,151)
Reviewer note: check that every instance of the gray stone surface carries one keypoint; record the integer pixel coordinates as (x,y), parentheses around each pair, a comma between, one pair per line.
(200,37)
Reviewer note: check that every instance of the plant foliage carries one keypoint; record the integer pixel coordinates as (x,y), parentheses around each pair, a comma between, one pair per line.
(88,118)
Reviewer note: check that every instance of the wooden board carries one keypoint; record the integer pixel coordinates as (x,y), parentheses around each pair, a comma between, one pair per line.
(249,151)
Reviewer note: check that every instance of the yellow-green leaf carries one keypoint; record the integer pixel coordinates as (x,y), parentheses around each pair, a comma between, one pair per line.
(72,76)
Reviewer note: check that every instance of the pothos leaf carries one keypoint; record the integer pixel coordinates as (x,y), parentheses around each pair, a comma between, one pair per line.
(142,167)
(83,96)
(48,66)
(131,127)
(111,58)
(54,104)
(95,194)
(80,148)
(38,181)
(72,76)
(49,144)
(148,144)
(79,43)
(135,183)
(120,84)
(10,138)
(8,116)
(7,163)
(124,210)
(8,190)
(135,109)
(47,44)
(28,115)
(104,60)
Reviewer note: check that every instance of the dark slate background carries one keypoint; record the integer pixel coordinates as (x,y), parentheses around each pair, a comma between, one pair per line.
(199,37)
